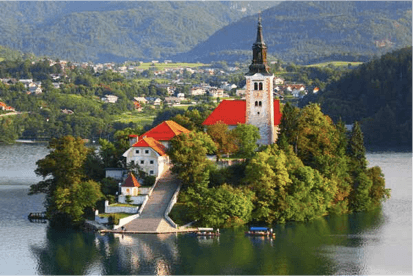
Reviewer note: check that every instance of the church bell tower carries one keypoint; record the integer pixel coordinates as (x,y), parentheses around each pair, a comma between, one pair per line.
(259,91)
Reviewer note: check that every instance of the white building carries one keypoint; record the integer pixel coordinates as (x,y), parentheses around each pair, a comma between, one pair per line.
(149,154)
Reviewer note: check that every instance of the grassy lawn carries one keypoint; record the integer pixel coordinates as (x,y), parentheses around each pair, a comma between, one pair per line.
(161,66)
(335,63)
(121,215)
(184,107)
(136,117)
(123,205)
(146,82)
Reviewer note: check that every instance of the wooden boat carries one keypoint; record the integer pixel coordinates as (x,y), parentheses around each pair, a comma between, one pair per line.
(203,231)
(261,232)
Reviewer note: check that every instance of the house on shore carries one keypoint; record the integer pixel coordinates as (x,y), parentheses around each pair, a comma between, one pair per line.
(149,149)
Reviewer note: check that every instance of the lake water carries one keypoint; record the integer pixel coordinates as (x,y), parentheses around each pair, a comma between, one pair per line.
(376,242)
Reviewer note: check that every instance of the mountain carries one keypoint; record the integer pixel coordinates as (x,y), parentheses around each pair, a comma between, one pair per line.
(379,94)
(117,30)
(308,32)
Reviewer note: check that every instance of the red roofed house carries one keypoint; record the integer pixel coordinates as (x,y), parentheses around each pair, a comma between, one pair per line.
(130,186)
(149,154)
(4,106)
(259,108)
(165,131)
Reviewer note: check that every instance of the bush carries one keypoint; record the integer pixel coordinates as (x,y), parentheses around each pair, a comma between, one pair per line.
(114,219)
(149,180)
(128,199)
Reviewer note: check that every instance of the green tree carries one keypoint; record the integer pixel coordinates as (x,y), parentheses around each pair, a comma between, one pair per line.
(246,139)
(67,192)
(187,153)
(223,138)
(356,150)
(223,206)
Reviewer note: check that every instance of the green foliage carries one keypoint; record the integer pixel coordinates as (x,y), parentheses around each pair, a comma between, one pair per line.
(223,138)
(378,94)
(246,139)
(128,199)
(8,130)
(149,180)
(113,219)
(188,154)
(356,150)
(285,189)
(67,192)
(219,206)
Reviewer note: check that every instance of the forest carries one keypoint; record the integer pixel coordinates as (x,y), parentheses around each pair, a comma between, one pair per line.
(316,168)
(378,94)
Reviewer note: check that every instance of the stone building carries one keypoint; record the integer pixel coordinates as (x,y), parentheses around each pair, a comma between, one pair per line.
(259,108)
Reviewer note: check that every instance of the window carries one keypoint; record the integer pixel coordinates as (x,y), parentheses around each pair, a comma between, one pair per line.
(151,172)
(260,103)
(151,162)
(258,113)
(137,151)
(142,162)
(146,151)
(255,86)
(256,103)
(260,85)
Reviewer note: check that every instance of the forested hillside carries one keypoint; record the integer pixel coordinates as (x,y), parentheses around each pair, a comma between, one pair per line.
(115,31)
(308,32)
(379,94)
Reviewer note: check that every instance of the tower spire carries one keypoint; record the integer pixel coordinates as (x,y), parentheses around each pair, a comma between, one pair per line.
(259,53)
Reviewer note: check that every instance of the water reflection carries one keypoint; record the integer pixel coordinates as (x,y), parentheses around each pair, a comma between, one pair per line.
(331,245)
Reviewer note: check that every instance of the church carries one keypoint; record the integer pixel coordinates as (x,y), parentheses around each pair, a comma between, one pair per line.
(259,107)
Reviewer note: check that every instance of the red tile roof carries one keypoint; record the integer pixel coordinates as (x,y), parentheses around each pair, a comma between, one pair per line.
(151,143)
(131,181)
(165,131)
(232,112)
(228,112)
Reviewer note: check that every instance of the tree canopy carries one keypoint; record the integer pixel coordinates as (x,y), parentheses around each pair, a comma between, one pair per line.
(68,192)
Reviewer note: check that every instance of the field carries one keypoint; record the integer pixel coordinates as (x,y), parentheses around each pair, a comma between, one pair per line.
(162,66)
(335,63)
(136,117)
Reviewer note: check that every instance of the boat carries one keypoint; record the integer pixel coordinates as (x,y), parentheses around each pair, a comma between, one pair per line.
(204,231)
(260,231)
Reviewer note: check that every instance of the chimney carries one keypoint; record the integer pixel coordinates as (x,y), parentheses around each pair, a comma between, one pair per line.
(133,138)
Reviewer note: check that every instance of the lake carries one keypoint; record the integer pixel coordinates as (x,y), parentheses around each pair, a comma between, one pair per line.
(376,242)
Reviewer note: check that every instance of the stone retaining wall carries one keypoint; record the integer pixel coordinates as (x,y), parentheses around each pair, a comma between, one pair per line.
(119,209)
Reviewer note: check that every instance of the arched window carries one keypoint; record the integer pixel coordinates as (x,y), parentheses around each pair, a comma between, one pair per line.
(260,103)
(260,85)
(256,103)
(255,86)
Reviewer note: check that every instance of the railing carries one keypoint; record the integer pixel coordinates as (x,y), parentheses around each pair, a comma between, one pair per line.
(171,205)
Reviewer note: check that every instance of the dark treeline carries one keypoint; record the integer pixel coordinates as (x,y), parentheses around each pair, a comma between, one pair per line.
(378,94)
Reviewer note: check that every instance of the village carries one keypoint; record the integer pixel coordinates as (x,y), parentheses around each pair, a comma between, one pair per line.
(177,76)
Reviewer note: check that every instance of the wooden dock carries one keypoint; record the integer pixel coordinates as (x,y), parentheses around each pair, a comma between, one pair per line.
(119,231)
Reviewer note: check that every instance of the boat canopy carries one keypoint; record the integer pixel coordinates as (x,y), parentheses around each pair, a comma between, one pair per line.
(258,229)
(205,229)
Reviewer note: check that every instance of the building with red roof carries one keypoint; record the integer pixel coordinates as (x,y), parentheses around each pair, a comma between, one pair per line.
(165,131)
(233,112)
(259,107)
(149,154)
(130,186)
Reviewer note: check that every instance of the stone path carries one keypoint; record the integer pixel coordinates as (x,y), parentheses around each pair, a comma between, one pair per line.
(152,218)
